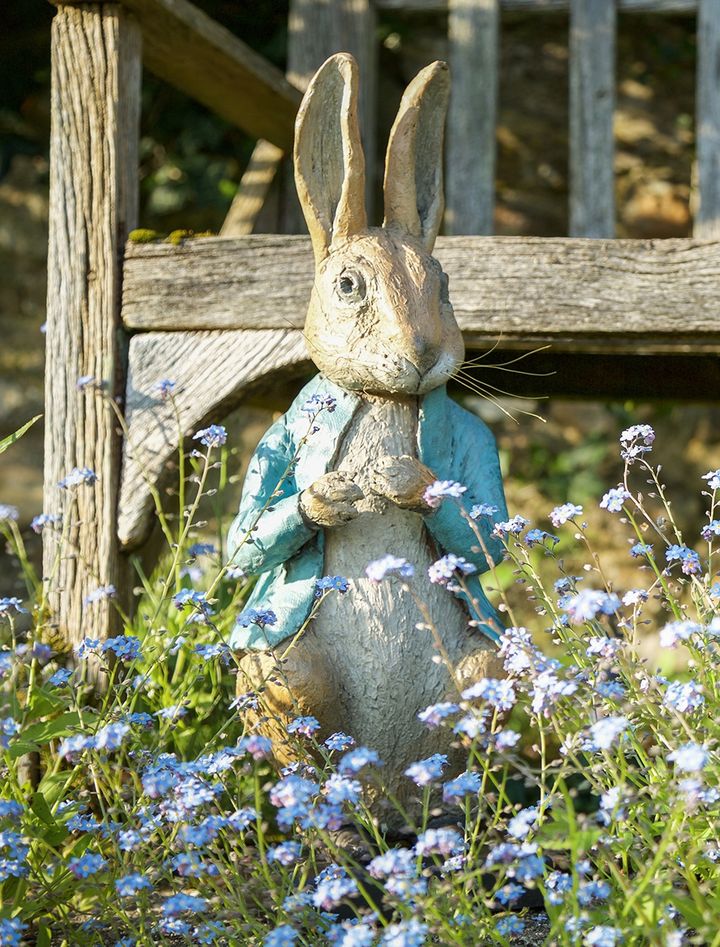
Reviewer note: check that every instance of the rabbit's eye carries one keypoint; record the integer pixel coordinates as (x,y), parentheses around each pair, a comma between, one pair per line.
(351,286)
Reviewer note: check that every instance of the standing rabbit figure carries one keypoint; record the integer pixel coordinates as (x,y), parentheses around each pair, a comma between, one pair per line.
(381,330)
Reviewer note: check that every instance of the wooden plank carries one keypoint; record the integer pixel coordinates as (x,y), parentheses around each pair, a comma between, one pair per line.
(631,295)
(545,6)
(254,186)
(188,49)
(316,30)
(95,108)
(592,104)
(473,34)
(211,371)
(707,217)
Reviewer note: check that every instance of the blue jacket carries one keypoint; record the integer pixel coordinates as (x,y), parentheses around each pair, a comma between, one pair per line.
(287,554)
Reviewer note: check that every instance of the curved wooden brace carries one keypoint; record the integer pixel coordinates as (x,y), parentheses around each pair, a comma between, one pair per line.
(211,371)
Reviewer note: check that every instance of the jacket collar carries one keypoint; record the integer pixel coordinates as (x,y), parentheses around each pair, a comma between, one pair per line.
(322,445)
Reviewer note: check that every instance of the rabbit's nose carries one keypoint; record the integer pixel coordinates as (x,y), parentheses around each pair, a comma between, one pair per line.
(425,354)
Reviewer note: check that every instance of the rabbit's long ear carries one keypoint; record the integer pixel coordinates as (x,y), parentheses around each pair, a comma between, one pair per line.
(328,155)
(414,199)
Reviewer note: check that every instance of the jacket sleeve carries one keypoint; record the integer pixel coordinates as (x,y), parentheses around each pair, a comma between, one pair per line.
(269,529)
(472,460)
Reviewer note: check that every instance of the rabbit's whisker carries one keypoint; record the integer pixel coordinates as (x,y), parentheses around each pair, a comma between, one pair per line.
(488,397)
(479,358)
(511,371)
(522,355)
(518,358)
(501,391)
(479,389)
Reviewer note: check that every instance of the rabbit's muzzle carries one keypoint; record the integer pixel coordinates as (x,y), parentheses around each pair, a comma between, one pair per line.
(425,355)
(380,319)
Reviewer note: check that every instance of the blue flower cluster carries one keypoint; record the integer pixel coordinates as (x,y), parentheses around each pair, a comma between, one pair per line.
(78,476)
(213,436)
(331,583)
(389,565)
(171,808)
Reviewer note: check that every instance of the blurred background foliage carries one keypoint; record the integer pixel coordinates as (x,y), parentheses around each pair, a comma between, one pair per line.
(191,163)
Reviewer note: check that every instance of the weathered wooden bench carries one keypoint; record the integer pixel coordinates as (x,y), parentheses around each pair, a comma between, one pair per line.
(219,315)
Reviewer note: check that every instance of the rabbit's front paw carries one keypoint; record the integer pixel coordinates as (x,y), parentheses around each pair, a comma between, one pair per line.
(402,480)
(331,500)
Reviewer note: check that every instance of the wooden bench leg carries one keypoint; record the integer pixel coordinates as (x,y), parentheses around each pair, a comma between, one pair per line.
(96,74)
(707,121)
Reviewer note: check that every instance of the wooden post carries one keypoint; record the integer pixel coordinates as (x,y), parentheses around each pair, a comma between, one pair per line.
(707,218)
(473,35)
(316,30)
(592,103)
(96,72)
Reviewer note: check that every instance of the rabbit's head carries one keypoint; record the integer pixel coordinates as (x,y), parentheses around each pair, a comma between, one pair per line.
(380,319)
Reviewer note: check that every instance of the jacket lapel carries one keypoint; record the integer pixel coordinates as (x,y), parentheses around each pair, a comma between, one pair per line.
(435,433)
(318,452)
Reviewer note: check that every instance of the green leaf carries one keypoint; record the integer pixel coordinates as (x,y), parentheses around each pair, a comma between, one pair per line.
(39,806)
(50,831)
(555,836)
(44,936)
(79,847)
(61,726)
(43,702)
(11,438)
(688,909)
(50,835)
(53,786)
(19,748)
(13,889)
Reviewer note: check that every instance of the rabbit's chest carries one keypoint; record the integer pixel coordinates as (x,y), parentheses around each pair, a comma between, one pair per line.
(378,428)
(373,625)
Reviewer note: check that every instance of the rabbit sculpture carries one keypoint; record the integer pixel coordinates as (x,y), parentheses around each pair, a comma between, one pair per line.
(381,329)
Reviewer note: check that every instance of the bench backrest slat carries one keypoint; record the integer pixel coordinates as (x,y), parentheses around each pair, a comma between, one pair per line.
(707,216)
(316,30)
(592,103)
(473,35)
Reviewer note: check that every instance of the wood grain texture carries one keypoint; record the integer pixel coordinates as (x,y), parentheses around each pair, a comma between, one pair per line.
(316,30)
(253,189)
(212,371)
(540,6)
(584,295)
(93,204)
(707,217)
(592,104)
(473,34)
(191,51)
